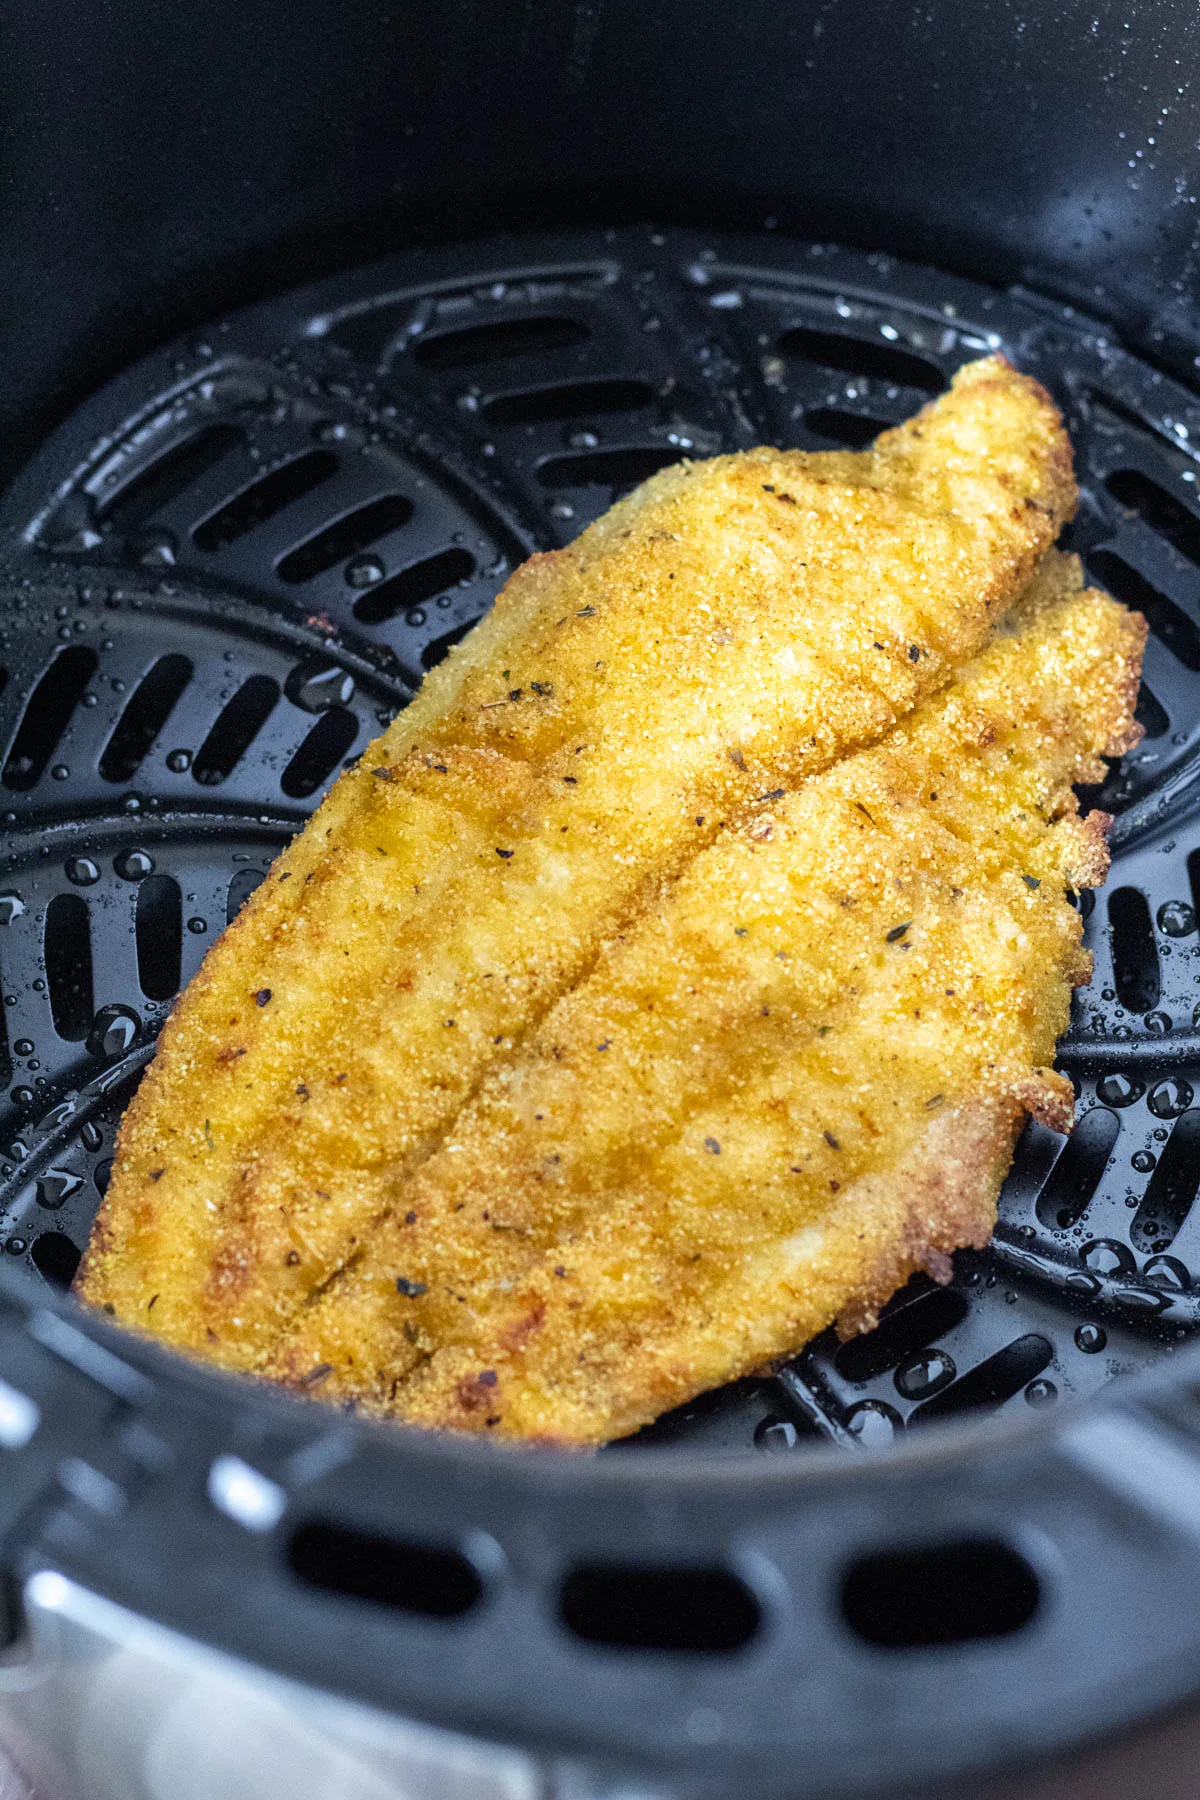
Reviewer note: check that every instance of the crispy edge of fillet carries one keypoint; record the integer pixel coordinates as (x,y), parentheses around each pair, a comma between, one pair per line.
(359,1341)
(269,1134)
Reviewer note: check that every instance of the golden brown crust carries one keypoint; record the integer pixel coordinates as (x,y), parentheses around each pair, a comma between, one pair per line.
(792,1084)
(726,631)
(941,1197)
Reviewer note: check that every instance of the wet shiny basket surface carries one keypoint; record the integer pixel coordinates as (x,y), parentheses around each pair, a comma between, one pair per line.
(233,568)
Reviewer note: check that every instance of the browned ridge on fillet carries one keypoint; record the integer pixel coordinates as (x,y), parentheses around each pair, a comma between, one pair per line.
(793,1083)
(727,631)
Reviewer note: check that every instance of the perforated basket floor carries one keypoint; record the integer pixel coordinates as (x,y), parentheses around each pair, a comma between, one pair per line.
(230,569)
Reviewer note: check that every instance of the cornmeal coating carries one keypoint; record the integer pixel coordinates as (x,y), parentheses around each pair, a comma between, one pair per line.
(728,630)
(796,1080)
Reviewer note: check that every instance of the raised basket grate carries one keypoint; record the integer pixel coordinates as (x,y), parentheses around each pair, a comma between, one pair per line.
(231,568)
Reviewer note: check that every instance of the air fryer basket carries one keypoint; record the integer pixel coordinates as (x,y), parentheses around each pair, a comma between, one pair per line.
(223,575)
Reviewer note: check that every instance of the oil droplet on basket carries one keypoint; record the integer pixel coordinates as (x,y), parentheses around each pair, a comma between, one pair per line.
(1041,1393)
(364,571)
(1176,918)
(317,687)
(1168,1272)
(1143,1161)
(56,1186)
(1158,1024)
(1119,1089)
(1105,1256)
(874,1423)
(133,865)
(1090,1338)
(924,1374)
(114,1030)
(773,1435)
(1171,1097)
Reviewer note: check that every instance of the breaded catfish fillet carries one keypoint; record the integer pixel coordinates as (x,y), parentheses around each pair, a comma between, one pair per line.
(730,628)
(793,1083)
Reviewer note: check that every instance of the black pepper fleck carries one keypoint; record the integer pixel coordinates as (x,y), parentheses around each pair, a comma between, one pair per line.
(412,1290)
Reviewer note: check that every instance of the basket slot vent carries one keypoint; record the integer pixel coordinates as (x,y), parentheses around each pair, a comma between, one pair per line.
(851,355)
(568,400)
(432,1580)
(55,1257)
(944,1594)
(1193,869)
(1088,528)
(440,647)
(346,537)
(240,890)
(263,499)
(158,934)
(153,701)
(236,728)
(643,1608)
(421,581)
(1166,515)
(1134,951)
(1151,714)
(170,475)
(899,1332)
(1171,1190)
(1078,1169)
(990,1383)
(854,431)
(48,714)
(320,753)
(619,469)
(1169,623)
(68,952)
(469,345)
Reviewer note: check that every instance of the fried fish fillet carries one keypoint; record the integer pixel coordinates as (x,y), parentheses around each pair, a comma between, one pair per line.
(793,1083)
(729,629)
